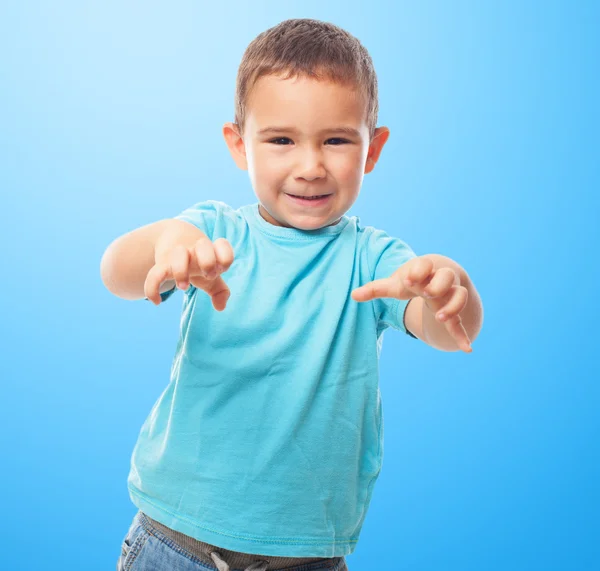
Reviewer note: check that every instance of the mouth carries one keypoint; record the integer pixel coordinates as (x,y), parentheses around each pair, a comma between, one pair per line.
(315,200)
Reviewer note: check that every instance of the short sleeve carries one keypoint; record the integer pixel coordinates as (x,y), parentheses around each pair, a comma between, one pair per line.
(203,215)
(386,255)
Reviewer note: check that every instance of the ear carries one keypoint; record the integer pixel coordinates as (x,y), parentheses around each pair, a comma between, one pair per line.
(379,139)
(236,146)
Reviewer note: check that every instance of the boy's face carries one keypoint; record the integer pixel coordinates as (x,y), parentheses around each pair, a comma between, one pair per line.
(303,155)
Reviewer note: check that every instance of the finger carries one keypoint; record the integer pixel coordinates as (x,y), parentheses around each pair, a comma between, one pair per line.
(179,260)
(385,287)
(450,316)
(455,327)
(441,282)
(205,257)
(223,253)
(156,276)
(416,288)
(416,285)
(457,301)
(419,273)
(219,293)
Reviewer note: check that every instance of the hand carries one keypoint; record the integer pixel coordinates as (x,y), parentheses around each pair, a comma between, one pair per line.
(200,264)
(440,289)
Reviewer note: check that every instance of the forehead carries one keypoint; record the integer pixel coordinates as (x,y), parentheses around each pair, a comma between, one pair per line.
(304,103)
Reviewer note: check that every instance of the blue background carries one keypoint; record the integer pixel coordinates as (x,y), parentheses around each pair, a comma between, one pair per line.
(111,117)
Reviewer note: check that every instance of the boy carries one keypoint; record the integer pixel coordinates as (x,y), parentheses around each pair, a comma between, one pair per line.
(263,450)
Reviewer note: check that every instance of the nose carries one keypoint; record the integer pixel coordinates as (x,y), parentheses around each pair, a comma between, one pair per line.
(311,166)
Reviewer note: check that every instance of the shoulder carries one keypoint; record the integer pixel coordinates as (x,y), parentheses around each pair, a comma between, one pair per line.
(214,217)
(372,236)
(209,207)
(380,245)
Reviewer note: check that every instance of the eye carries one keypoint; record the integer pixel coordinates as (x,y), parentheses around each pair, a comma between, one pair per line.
(274,141)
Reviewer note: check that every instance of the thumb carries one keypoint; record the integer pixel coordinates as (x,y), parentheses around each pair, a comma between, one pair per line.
(385,287)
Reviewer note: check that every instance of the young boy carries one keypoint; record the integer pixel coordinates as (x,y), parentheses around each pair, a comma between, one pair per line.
(263,450)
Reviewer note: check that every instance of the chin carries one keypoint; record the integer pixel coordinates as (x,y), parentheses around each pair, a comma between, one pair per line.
(313,226)
(310,227)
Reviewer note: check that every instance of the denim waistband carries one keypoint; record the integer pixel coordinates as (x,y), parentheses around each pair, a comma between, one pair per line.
(235,559)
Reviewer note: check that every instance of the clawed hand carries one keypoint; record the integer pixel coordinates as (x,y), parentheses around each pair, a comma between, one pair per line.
(440,288)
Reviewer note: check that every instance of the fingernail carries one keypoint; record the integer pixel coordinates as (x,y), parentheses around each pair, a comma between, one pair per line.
(441,316)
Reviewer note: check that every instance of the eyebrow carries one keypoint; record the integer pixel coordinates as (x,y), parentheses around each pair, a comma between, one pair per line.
(345,130)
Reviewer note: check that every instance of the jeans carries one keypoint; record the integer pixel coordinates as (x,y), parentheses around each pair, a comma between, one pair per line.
(145,548)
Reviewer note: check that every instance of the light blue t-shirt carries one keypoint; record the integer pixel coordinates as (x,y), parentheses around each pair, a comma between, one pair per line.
(268,438)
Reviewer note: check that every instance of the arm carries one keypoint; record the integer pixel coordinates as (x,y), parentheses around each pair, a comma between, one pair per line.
(128,259)
(421,321)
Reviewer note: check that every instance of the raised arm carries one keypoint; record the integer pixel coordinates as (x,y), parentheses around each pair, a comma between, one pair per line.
(128,259)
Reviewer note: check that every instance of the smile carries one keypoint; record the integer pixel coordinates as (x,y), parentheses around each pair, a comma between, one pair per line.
(317,200)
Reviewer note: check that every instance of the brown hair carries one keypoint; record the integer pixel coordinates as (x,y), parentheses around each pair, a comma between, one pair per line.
(307,48)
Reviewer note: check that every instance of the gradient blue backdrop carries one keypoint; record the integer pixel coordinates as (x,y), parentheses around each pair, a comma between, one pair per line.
(110,118)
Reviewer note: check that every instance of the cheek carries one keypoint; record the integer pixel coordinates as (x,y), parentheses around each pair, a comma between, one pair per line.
(348,168)
(258,167)
(270,168)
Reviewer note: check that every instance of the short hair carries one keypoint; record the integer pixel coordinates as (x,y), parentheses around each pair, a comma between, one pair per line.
(307,48)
